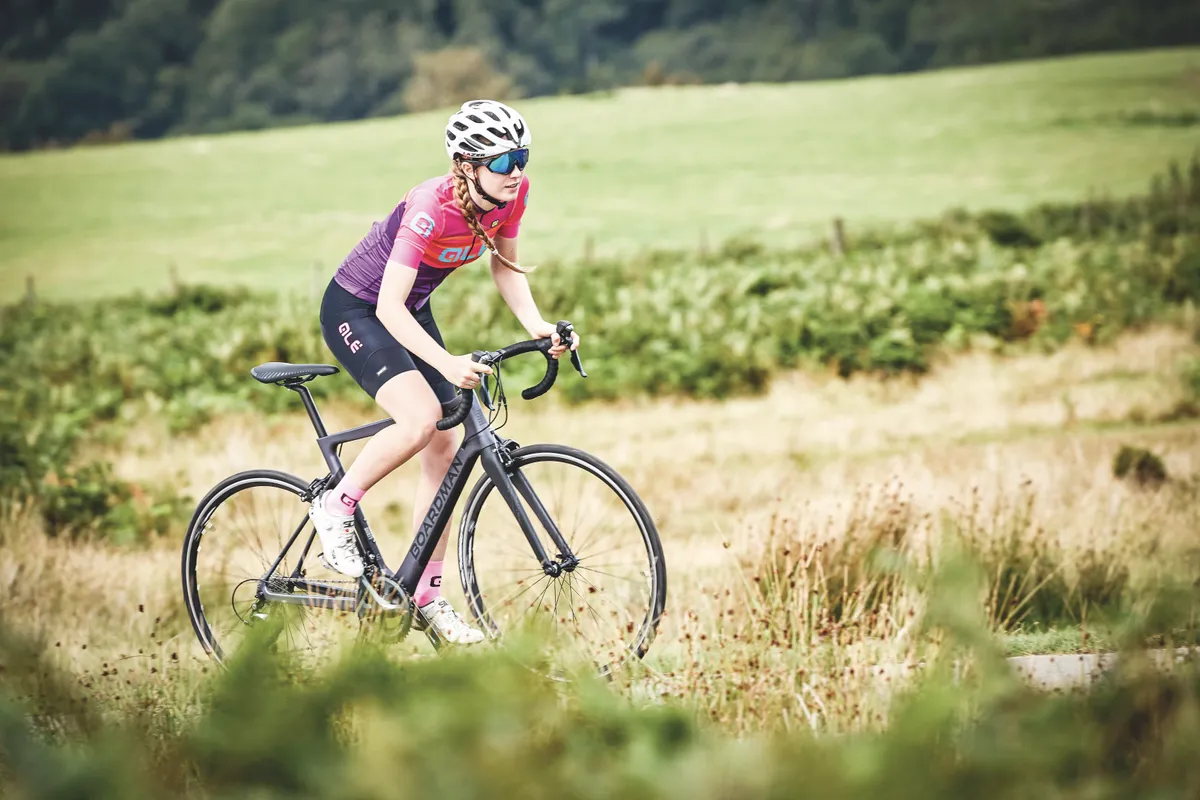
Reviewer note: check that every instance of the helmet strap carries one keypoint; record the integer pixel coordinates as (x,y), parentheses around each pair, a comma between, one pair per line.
(474,178)
(482,193)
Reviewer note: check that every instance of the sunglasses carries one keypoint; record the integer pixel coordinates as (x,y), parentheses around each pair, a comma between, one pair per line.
(505,163)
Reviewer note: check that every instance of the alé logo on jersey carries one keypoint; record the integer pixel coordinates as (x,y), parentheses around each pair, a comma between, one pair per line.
(454,255)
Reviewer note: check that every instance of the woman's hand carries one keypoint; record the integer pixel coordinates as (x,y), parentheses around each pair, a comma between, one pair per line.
(463,372)
(543,329)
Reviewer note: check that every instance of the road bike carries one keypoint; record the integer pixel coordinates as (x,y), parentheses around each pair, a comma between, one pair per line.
(549,537)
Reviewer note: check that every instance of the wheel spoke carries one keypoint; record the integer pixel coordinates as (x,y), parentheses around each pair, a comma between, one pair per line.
(538,603)
(604,596)
(606,606)
(230,555)
(602,572)
(513,597)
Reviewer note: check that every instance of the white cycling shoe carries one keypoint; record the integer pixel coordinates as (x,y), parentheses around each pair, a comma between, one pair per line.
(337,538)
(449,626)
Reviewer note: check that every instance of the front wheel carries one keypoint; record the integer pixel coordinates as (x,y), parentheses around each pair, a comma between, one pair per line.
(608,606)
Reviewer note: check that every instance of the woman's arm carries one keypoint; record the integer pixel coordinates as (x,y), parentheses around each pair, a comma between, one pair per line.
(514,288)
(398,280)
(397,284)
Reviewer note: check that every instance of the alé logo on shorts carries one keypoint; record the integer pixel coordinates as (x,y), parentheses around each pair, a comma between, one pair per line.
(435,508)
(344,330)
(454,255)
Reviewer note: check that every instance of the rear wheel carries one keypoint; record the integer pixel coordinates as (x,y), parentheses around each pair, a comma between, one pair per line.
(234,575)
(606,609)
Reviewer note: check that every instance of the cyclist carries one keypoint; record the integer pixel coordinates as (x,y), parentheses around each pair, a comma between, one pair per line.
(377,320)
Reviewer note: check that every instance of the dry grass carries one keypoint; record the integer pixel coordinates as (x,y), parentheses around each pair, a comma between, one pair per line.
(819,470)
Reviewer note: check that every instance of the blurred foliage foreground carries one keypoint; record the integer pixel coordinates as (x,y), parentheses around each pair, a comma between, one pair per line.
(477,725)
(706,324)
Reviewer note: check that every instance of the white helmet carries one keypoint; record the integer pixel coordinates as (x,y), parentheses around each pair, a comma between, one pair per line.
(483,128)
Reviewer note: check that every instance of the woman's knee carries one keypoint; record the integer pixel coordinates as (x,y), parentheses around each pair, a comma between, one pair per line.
(440,449)
(409,401)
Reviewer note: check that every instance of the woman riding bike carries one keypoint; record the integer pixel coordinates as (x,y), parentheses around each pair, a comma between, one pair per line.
(377,321)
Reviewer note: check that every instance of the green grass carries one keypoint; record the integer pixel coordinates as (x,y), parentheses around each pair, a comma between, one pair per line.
(1056,641)
(641,168)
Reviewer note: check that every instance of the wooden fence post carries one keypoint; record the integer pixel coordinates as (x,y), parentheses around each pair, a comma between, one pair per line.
(30,294)
(589,249)
(173,277)
(837,237)
(314,288)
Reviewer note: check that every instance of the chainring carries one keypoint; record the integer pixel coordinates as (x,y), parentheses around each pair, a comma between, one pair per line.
(386,613)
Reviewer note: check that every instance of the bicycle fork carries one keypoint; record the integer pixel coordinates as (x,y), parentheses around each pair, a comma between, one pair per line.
(513,487)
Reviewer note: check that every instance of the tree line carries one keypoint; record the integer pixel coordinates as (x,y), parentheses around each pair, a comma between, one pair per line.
(74,70)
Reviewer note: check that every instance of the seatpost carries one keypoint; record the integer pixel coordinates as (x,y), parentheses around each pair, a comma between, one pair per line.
(310,407)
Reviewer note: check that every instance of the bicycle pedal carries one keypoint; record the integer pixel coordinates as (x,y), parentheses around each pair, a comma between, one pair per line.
(324,563)
(419,623)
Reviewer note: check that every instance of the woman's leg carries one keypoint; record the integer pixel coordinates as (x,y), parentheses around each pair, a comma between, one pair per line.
(415,403)
(435,461)
(409,401)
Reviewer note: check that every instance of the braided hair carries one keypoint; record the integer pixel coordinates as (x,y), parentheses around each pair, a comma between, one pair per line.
(467,206)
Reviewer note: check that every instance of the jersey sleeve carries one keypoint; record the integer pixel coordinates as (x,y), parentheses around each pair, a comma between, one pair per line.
(513,224)
(421,223)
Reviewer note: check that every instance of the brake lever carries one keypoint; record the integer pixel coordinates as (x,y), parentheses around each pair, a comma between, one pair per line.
(565,329)
(577,364)
(478,355)
(487,396)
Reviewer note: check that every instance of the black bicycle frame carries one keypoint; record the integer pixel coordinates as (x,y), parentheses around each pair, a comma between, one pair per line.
(479,444)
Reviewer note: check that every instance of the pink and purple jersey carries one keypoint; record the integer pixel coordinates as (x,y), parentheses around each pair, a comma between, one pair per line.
(428,233)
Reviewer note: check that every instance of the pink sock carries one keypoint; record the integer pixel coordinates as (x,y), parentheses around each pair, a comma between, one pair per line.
(430,585)
(343,499)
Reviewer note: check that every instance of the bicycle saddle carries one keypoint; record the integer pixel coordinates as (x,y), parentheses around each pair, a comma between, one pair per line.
(276,371)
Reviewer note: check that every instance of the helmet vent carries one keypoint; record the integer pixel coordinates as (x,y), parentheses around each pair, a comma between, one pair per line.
(485,128)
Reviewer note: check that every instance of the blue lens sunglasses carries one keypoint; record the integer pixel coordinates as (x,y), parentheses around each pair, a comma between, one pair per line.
(505,163)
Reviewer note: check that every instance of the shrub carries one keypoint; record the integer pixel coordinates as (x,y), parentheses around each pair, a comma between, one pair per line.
(90,500)
(708,324)
(451,76)
(264,730)
(1139,465)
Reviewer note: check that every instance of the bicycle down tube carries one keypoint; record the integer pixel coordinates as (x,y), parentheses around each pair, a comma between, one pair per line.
(479,443)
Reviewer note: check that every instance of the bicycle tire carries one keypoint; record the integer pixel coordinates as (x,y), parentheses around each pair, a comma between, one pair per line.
(219,497)
(525,459)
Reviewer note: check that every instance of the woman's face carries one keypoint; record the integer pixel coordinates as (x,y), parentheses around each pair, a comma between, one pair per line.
(502,187)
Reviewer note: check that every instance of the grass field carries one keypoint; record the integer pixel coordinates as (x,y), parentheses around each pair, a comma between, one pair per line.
(774,507)
(640,168)
(817,457)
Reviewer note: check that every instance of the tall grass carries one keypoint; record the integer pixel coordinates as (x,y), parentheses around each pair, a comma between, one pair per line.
(986,446)
(818,577)
(480,725)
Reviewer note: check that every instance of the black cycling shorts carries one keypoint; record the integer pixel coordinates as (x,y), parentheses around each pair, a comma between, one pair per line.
(366,349)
